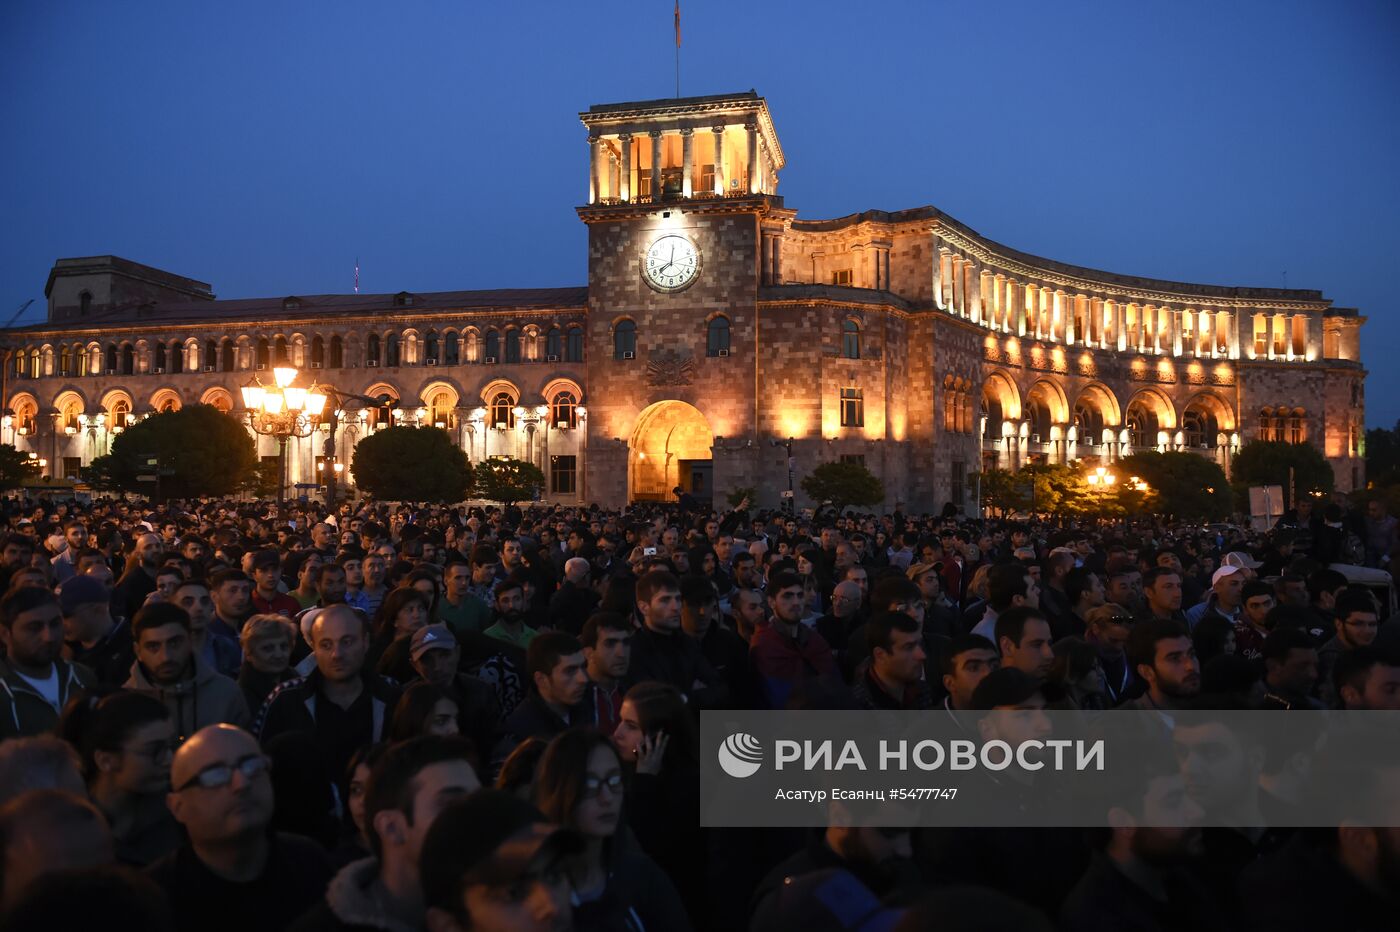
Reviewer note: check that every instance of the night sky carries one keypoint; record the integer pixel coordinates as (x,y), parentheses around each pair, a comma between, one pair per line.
(262,147)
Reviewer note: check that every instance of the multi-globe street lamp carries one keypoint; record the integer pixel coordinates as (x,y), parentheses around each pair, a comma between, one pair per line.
(282,410)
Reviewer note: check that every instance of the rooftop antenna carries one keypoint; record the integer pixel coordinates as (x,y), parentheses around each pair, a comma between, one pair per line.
(678,48)
(357,275)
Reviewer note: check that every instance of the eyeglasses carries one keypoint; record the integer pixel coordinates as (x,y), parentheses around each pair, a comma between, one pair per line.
(218,776)
(592,786)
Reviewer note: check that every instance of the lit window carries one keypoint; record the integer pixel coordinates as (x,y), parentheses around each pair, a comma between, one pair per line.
(850,339)
(503,411)
(852,408)
(564,411)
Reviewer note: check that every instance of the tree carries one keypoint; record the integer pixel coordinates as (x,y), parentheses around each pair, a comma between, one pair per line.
(1383,456)
(508,480)
(198,450)
(263,479)
(1266,462)
(1182,485)
(745,493)
(15,467)
(1001,491)
(844,484)
(412,464)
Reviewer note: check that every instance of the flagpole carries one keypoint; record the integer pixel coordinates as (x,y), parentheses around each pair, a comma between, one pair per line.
(678,48)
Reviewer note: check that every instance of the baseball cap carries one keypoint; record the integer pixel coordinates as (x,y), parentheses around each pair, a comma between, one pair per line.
(491,837)
(1228,570)
(79,591)
(431,637)
(918,569)
(1238,558)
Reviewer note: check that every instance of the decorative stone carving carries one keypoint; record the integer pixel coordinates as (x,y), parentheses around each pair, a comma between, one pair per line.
(668,367)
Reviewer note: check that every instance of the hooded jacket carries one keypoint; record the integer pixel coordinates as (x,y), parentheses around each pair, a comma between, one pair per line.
(24,712)
(207,698)
(351,903)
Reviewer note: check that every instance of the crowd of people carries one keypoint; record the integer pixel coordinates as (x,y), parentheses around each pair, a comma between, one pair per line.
(222,715)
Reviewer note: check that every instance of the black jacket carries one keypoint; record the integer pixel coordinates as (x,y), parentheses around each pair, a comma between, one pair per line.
(110,659)
(676,659)
(1105,898)
(570,607)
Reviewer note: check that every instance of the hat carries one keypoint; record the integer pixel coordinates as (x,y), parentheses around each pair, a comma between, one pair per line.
(491,837)
(1238,558)
(79,591)
(1004,686)
(1227,570)
(918,569)
(431,637)
(830,900)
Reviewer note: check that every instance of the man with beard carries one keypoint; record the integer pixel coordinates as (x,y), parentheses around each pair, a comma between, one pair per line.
(1367,680)
(65,565)
(559,682)
(233,873)
(894,678)
(786,655)
(1138,878)
(35,680)
(168,668)
(607,648)
(1123,584)
(662,651)
(208,630)
(1357,625)
(94,639)
(966,663)
(510,623)
(139,580)
(1162,655)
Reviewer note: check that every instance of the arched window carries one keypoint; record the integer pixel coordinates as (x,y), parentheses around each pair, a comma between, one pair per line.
(111,360)
(392,346)
(717,337)
(625,340)
(337,359)
(1297,426)
(1199,427)
(553,344)
(512,345)
(318,352)
(36,367)
(128,359)
(440,413)
(372,350)
(25,414)
(850,339)
(221,402)
(280,356)
(80,359)
(430,347)
(70,413)
(169,404)
(120,414)
(161,361)
(1088,424)
(264,355)
(451,350)
(211,354)
(503,411)
(1142,426)
(573,345)
(563,411)
(493,346)
(227,357)
(383,415)
(65,361)
(1038,414)
(965,412)
(177,357)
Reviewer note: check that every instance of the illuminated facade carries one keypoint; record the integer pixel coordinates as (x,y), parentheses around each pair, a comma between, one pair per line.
(715,327)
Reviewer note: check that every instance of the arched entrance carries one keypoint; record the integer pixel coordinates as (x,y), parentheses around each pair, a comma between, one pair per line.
(670,446)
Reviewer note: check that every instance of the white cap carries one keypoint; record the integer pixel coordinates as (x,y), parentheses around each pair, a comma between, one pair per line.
(1223,572)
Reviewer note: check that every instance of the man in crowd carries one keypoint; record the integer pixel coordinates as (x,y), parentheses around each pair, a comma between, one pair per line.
(372,588)
(662,651)
(786,655)
(45,831)
(966,662)
(65,564)
(458,608)
(1367,680)
(35,680)
(139,580)
(209,631)
(607,648)
(408,788)
(1009,586)
(1252,625)
(232,872)
(725,651)
(94,639)
(1290,670)
(436,658)
(341,705)
(169,668)
(1356,625)
(1084,591)
(266,568)
(510,623)
(894,678)
(1107,632)
(1161,590)
(1225,598)
(1023,636)
(1163,657)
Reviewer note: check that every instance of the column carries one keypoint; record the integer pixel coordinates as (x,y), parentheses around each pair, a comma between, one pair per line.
(612,174)
(1174,322)
(958,286)
(752,129)
(976,282)
(938,277)
(1232,321)
(885,259)
(777,258)
(655,165)
(1071,305)
(593,156)
(719,159)
(625,184)
(687,162)
(1057,323)
(1016,300)
(1120,326)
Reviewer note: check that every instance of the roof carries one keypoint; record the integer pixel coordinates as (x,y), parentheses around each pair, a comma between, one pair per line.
(669,102)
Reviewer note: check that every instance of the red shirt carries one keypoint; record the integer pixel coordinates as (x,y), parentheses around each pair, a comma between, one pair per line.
(281,604)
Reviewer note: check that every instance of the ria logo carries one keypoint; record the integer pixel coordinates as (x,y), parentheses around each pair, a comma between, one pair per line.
(740,755)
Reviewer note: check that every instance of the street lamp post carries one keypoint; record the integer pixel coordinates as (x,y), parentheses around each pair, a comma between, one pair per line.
(283,411)
(788,503)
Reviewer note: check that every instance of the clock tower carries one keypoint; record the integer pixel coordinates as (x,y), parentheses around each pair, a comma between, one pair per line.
(684,228)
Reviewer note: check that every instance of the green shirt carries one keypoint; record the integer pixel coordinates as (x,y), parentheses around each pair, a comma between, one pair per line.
(521,640)
(469,617)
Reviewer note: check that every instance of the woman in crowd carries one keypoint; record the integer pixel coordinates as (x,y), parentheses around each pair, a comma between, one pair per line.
(401,614)
(354,843)
(616,887)
(519,769)
(1213,637)
(656,737)
(126,741)
(267,656)
(1078,673)
(423,709)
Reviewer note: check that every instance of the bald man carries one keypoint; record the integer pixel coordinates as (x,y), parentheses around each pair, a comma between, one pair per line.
(232,873)
(836,627)
(575,600)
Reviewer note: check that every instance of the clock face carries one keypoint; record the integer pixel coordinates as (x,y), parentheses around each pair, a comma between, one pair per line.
(671,263)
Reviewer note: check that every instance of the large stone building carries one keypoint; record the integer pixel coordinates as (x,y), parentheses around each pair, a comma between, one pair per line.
(716,335)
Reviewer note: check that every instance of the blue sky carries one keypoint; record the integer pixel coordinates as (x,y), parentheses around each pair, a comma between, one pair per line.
(262,147)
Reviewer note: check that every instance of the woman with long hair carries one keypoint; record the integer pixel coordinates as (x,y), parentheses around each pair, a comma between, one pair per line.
(126,741)
(354,843)
(580,785)
(656,737)
(401,614)
(423,709)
